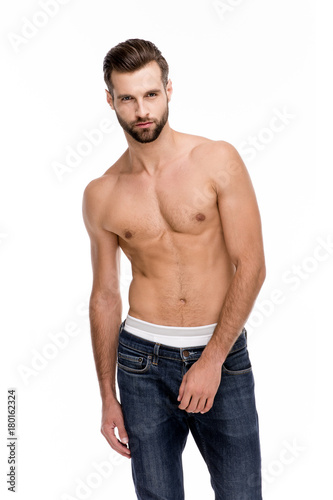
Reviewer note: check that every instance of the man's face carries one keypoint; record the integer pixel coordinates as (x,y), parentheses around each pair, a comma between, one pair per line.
(141,102)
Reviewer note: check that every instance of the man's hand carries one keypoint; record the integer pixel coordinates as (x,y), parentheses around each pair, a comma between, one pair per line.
(199,386)
(112,417)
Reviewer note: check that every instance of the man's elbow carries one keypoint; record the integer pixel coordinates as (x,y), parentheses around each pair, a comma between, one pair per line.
(105,298)
(261,273)
(255,270)
(253,267)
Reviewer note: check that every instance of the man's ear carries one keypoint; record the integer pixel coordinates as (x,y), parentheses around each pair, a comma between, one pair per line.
(169,89)
(109,99)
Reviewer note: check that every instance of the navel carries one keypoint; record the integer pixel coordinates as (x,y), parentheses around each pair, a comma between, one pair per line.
(128,234)
(182,301)
(200,217)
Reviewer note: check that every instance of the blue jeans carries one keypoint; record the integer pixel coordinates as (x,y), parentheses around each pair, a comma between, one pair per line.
(149,375)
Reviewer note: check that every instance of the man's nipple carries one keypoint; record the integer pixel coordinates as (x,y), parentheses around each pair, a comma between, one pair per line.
(200,217)
(128,234)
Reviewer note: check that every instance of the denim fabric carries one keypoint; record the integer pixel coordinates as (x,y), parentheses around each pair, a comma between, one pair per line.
(149,375)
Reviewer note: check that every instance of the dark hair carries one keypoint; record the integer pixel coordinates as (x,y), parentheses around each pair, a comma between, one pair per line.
(132,55)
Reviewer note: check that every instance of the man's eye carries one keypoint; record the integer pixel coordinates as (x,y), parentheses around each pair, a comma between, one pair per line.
(127,98)
(152,94)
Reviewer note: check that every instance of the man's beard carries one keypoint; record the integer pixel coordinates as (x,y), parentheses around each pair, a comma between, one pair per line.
(145,135)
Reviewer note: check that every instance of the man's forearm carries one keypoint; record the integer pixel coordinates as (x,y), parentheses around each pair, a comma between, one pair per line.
(236,308)
(105,320)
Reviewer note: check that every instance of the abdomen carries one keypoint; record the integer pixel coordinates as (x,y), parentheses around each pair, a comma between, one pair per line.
(181,281)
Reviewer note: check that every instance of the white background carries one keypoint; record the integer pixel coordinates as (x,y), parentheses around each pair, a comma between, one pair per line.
(234,66)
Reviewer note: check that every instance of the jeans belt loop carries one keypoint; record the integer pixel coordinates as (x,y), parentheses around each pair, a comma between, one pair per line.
(156,350)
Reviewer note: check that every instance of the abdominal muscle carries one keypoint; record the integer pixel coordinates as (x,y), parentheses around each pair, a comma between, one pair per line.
(180,280)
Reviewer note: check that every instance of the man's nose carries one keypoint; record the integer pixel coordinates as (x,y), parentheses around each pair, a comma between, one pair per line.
(141,109)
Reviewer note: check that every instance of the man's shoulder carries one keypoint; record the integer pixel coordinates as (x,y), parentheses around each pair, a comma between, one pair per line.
(212,148)
(203,145)
(209,152)
(105,182)
(97,187)
(98,193)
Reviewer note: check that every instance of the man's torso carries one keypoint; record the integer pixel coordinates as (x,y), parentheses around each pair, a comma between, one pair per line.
(169,227)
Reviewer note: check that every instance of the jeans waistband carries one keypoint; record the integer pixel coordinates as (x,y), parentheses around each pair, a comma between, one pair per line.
(174,336)
(153,348)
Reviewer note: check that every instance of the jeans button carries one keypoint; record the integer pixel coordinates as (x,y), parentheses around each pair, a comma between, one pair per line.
(186,354)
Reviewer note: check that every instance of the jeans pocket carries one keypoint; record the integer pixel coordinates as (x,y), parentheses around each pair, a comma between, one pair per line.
(237,362)
(132,361)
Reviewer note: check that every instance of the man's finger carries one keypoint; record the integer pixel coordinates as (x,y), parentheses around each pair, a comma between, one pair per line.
(200,406)
(115,443)
(181,389)
(208,405)
(185,400)
(192,406)
(122,433)
(119,447)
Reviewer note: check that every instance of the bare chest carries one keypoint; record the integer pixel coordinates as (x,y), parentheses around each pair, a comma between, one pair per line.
(179,201)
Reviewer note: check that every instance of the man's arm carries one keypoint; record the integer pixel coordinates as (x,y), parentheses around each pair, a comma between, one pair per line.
(241,226)
(105,309)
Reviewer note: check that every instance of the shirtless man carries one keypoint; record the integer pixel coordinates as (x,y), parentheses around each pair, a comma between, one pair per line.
(183,210)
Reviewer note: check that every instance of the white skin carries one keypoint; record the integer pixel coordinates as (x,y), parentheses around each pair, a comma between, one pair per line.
(183,210)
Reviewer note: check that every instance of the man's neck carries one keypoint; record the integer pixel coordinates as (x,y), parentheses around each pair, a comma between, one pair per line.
(152,156)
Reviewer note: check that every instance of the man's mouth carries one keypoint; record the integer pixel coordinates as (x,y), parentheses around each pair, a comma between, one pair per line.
(144,125)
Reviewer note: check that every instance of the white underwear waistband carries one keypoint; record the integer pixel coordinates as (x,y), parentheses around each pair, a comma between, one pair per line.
(174,336)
